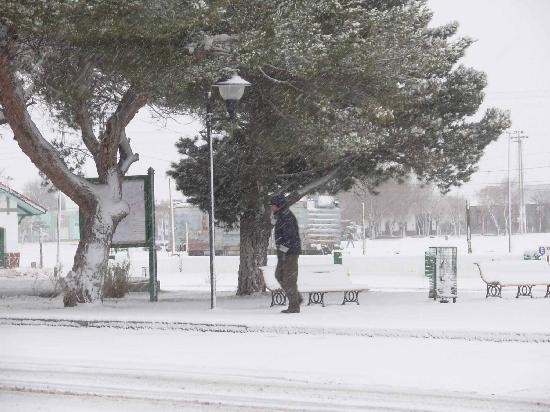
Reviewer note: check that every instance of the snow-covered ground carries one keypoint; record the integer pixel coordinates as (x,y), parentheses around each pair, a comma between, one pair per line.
(169,370)
(397,350)
(389,264)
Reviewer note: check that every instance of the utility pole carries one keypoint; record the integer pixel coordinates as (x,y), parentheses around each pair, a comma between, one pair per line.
(372,229)
(172,228)
(363,227)
(522,187)
(518,135)
(187,238)
(468,228)
(509,201)
(40,239)
(58,260)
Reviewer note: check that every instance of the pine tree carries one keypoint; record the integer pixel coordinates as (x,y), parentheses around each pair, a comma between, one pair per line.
(94,65)
(341,90)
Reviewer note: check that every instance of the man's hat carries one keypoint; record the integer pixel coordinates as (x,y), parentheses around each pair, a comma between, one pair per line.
(278,200)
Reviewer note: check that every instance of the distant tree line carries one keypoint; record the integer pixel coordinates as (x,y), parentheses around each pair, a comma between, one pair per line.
(412,209)
(403,209)
(490,214)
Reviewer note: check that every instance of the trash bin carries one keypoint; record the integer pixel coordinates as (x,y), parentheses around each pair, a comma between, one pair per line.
(337,255)
(440,267)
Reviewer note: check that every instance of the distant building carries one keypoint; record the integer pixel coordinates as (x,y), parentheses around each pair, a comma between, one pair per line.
(318,216)
(69,228)
(318,219)
(493,219)
(192,223)
(14,207)
(45,225)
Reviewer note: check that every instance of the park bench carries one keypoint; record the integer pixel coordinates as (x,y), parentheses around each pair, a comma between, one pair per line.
(316,280)
(523,274)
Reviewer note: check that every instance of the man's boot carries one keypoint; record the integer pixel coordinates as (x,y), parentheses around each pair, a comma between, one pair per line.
(294,304)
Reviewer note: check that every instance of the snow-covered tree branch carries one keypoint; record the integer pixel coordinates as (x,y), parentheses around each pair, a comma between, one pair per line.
(104,62)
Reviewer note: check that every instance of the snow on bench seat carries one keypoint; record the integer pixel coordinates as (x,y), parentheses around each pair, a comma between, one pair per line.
(523,274)
(316,280)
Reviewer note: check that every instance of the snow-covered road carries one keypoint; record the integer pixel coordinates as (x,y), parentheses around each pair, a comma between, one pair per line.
(398,350)
(113,369)
(136,391)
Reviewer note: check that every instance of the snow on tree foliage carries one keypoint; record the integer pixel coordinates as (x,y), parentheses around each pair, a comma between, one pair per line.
(341,90)
(94,65)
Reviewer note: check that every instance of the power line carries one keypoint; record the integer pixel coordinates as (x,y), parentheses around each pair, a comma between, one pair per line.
(515,169)
(537,154)
(158,158)
(531,182)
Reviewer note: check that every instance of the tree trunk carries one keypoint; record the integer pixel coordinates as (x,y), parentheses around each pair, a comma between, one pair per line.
(83,283)
(495,220)
(101,204)
(255,229)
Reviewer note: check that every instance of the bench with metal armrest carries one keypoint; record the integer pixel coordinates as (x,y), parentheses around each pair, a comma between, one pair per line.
(524,275)
(317,281)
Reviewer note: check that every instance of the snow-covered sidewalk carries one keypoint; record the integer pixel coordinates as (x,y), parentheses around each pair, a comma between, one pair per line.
(395,306)
(397,350)
(383,314)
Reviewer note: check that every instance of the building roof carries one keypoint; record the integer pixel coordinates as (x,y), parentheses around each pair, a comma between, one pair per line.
(25,206)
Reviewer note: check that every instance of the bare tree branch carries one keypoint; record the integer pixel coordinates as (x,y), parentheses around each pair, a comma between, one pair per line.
(285,82)
(127,156)
(27,91)
(86,126)
(128,107)
(111,139)
(312,186)
(307,172)
(27,135)
(83,114)
(331,173)
(271,78)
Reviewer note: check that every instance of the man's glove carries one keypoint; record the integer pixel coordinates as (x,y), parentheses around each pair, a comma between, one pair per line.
(283,248)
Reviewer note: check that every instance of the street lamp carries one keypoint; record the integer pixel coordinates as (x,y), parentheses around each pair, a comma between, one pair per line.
(231,91)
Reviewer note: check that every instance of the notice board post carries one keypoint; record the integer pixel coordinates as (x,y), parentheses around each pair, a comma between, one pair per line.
(137,229)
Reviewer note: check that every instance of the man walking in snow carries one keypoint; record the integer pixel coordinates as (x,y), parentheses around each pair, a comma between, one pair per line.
(349,238)
(287,241)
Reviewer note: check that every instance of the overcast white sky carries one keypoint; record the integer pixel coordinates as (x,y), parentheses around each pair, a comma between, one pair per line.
(512,47)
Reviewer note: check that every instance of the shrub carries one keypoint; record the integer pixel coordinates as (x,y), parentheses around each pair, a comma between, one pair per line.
(116,280)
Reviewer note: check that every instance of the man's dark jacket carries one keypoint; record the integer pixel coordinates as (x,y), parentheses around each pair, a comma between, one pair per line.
(286,231)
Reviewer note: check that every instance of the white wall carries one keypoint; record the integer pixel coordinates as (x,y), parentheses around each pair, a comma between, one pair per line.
(9,222)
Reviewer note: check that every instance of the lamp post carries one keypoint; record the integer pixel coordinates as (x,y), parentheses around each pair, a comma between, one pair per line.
(231,91)
(509,202)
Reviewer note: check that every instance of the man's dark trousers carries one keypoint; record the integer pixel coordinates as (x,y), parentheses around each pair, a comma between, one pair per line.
(286,274)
